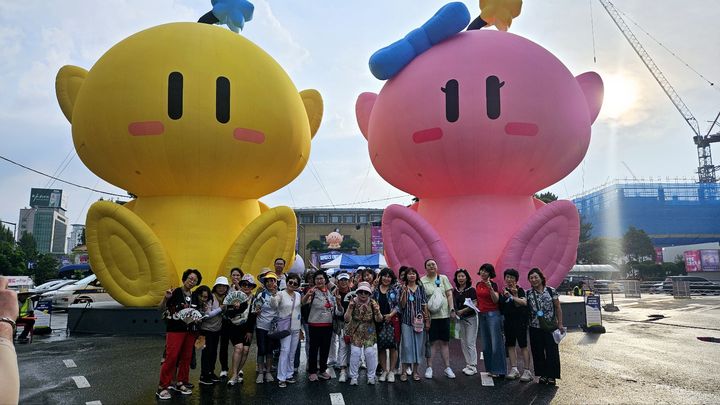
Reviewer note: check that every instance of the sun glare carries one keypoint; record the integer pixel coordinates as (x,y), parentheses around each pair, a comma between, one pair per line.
(621,95)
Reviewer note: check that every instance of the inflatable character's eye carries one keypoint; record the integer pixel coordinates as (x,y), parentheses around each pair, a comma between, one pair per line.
(492,93)
(452,100)
(222,99)
(175,95)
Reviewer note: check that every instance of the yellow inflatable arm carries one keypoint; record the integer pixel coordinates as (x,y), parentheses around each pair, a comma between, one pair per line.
(500,13)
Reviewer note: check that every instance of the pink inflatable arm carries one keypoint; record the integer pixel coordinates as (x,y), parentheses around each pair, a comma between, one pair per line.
(410,240)
(548,241)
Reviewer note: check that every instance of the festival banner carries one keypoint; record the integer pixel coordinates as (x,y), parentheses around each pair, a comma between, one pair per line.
(710,259)
(376,242)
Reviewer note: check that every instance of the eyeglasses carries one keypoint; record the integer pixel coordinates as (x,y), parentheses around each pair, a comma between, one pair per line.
(292,283)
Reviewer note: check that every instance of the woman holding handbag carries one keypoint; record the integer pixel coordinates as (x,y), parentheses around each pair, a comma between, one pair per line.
(360,319)
(467,319)
(388,331)
(545,317)
(414,317)
(490,321)
(322,308)
(287,303)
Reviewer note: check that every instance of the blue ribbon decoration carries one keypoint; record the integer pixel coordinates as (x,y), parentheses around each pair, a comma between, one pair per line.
(451,19)
(233,13)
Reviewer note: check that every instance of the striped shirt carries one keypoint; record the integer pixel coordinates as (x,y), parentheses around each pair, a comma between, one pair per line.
(413,307)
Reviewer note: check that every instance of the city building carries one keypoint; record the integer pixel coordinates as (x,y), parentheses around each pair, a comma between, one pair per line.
(45,220)
(75,238)
(361,224)
(671,213)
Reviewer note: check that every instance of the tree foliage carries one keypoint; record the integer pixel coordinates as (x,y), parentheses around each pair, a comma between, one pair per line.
(28,245)
(349,243)
(46,268)
(637,245)
(546,197)
(315,245)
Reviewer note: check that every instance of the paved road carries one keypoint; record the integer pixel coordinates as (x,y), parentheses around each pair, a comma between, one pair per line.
(636,361)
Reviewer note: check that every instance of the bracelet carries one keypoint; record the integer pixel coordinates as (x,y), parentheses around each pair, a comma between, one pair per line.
(10,321)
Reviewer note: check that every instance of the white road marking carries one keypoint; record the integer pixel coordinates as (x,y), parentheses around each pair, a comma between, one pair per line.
(336,398)
(486,380)
(81,381)
(93,403)
(69,363)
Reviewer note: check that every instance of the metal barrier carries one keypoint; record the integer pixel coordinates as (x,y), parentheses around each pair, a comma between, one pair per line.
(632,288)
(681,289)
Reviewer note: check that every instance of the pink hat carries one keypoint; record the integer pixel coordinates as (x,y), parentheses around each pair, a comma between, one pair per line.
(364,286)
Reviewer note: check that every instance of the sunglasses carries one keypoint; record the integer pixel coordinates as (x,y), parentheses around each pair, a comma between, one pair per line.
(292,283)
(363,293)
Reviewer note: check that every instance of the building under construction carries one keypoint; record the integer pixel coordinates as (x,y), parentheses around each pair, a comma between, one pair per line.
(671,213)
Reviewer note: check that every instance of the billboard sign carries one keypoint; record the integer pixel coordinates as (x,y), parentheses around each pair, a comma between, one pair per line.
(45,197)
(376,242)
(692,261)
(710,259)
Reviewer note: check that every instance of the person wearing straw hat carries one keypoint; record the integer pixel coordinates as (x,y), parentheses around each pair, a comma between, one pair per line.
(265,314)
(241,331)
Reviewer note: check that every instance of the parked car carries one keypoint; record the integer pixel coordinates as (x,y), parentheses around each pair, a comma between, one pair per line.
(607,286)
(86,290)
(570,282)
(697,285)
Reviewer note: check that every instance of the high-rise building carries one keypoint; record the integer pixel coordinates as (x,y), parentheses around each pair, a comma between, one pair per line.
(75,237)
(45,220)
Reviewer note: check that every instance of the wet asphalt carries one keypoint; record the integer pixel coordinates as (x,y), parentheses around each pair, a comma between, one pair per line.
(643,358)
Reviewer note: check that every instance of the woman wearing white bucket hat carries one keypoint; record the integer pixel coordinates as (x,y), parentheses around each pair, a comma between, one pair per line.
(210,328)
(360,317)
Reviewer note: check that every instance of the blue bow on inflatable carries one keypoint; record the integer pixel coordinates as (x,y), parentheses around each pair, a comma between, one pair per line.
(448,21)
(233,13)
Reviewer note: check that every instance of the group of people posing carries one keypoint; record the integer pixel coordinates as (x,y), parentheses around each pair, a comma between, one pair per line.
(389,324)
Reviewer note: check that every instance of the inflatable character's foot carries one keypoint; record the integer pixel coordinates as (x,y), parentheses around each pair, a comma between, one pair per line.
(409,240)
(269,236)
(547,241)
(127,257)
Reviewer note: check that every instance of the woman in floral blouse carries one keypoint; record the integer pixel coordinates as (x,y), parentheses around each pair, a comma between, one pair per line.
(360,318)
(545,316)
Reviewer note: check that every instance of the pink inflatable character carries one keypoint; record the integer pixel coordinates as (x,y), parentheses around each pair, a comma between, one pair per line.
(474,126)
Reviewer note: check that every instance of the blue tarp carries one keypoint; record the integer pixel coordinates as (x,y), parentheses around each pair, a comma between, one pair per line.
(347,261)
(71,268)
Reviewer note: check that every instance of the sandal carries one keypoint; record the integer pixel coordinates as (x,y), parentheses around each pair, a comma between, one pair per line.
(403,377)
(416,377)
(163,394)
(551,381)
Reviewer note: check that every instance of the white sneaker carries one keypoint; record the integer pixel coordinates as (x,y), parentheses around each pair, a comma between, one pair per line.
(513,374)
(470,370)
(527,376)
(371,381)
(269,377)
(343,376)
(428,373)
(449,373)
(391,377)
(383,376)
(223,374)
(353,381)
(260,378)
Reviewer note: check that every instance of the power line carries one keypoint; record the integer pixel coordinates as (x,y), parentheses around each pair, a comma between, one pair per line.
(354,203)
(61,180)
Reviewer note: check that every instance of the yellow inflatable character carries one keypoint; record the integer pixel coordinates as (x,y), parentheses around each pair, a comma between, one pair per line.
(198,123)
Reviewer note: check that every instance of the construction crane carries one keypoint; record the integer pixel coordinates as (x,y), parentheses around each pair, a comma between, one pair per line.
(706,169)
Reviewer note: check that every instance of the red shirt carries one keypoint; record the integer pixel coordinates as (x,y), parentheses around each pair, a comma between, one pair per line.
(485,302)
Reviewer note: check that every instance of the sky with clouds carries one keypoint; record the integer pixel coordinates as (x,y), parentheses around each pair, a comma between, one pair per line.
(325,45)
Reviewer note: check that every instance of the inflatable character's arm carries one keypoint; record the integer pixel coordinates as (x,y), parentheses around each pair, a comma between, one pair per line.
(499,13)
(127,257)
(548,241)
(409,240)
(269,236)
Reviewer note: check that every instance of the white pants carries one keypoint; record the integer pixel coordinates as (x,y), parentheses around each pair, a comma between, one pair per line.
(286,362)
(332,356)
(343,352)
(371,360)
(468,338)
